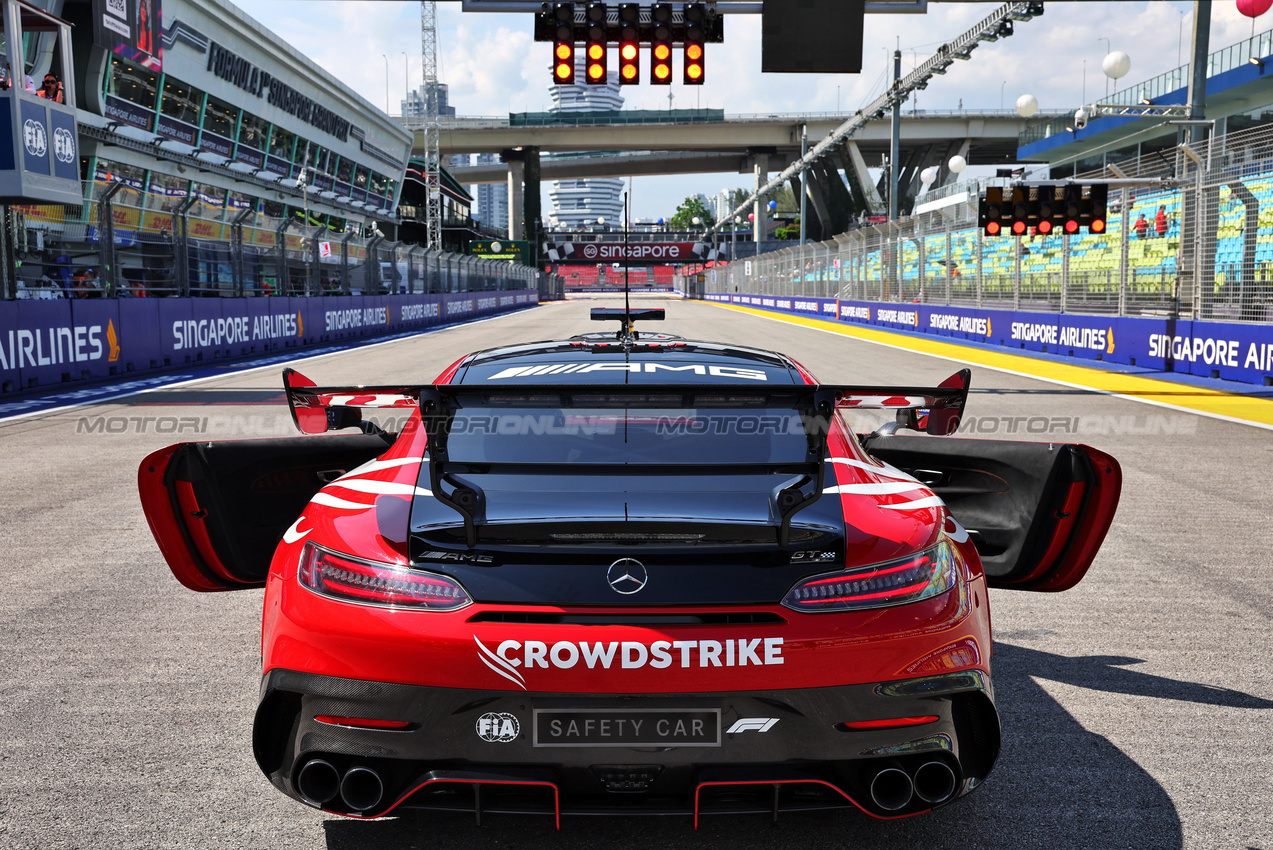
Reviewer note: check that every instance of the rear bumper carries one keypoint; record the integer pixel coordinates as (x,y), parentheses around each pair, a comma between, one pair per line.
(449,757)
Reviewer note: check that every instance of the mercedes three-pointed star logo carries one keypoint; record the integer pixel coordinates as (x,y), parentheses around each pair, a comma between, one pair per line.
(627,576)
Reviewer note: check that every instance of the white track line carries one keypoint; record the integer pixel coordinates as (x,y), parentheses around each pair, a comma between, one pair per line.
(1167,405)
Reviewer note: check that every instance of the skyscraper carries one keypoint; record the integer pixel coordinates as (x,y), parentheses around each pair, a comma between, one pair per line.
(492,198)
(576,203)
(413,106)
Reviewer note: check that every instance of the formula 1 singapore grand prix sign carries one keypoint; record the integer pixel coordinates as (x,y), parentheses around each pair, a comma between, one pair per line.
(638,253)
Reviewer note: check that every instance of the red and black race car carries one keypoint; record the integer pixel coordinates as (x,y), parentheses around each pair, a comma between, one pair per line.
(627,573)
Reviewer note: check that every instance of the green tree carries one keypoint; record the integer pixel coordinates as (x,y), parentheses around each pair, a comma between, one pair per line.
(787,201)
(689,209)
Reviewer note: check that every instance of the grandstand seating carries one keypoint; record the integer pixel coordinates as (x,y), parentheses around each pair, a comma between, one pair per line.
(1152,259)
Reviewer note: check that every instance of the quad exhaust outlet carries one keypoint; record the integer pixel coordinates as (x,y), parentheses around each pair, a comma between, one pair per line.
(891,789)
(361,789)
(934,782)
(319,781)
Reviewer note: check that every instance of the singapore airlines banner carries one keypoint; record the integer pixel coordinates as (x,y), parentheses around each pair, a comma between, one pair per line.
(50,343)
(1208,349)
(130,28)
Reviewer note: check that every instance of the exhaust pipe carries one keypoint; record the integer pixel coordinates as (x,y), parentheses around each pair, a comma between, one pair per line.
(891,789)
(361,788)
(318,781)
(934,782)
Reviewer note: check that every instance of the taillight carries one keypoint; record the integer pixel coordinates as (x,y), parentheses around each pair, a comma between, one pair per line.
(369,583)
(929,573)
(887,723)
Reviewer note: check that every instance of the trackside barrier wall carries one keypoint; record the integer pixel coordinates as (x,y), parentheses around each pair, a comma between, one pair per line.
(1226,350)
(48,344)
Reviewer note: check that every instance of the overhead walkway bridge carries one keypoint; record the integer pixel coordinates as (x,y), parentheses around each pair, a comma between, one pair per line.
(578,145)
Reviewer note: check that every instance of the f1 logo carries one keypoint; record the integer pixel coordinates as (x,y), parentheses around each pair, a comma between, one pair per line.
(747,724)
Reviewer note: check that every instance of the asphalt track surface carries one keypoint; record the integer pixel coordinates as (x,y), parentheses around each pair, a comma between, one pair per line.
(1137,708)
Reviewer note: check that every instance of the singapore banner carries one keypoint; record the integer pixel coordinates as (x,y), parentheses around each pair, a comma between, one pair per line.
(641,253)
(131,29)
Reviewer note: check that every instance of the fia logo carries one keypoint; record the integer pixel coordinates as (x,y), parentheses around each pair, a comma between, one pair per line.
(63,144)
(498,727)
(34,137)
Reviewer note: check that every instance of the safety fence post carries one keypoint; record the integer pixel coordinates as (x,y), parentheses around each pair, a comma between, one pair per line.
(282,284)
(181,239)
(236,251)
(344,263)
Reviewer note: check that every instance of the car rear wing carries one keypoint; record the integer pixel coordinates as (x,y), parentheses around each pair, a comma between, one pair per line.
(316,410)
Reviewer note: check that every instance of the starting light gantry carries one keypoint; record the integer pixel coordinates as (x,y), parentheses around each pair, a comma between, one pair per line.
(628,26)
(1043,208)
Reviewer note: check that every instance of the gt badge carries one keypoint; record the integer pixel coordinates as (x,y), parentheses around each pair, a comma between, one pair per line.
(498,727)
(627,576)
(813,556)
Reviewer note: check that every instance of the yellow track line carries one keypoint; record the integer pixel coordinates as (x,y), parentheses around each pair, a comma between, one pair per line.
(1217,404)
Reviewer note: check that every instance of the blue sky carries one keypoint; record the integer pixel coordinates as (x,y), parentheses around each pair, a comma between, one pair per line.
(493,66)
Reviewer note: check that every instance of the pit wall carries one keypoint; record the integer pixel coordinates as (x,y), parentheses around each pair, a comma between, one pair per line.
(1229,351)
(57,343)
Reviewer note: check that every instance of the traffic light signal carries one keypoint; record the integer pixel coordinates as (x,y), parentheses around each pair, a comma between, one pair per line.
(1020,210)
(629,44)
(991,211)
(563,21)
(695,16)
(1072,208)
(1047,210)
(595,55)
(1097,202)
(661,44)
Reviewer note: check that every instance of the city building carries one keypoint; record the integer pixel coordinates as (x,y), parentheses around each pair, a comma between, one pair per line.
(220,132)
(492,199)
(414,105)
(583,203)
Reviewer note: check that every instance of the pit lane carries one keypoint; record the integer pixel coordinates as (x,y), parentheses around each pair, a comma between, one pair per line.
(1135,707)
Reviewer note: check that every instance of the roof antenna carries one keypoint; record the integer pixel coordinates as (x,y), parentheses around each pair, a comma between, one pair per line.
(627,334)
(627,306)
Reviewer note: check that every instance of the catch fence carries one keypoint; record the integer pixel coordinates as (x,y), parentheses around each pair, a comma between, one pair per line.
(1199,246)
(129,243)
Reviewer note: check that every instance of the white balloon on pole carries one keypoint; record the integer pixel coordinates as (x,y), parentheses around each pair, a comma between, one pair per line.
(957,164)
(928,175)
(1027,105)
(1116,64)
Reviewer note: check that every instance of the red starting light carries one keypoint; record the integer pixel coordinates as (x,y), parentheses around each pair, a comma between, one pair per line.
(1071,225)
(693,64)
(1045,226)
(1097,226)
(1018,227)
(629,63)
(992,228)
(596,56)
(563,21)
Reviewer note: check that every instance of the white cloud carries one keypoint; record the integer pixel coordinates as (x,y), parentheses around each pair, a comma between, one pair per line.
(494,67)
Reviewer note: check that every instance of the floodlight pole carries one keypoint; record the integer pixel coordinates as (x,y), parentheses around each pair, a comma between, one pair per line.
(804,187)
(1200,45)
(895,137)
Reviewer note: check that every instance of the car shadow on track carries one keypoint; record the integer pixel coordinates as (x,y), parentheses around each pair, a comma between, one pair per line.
(1057,785)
